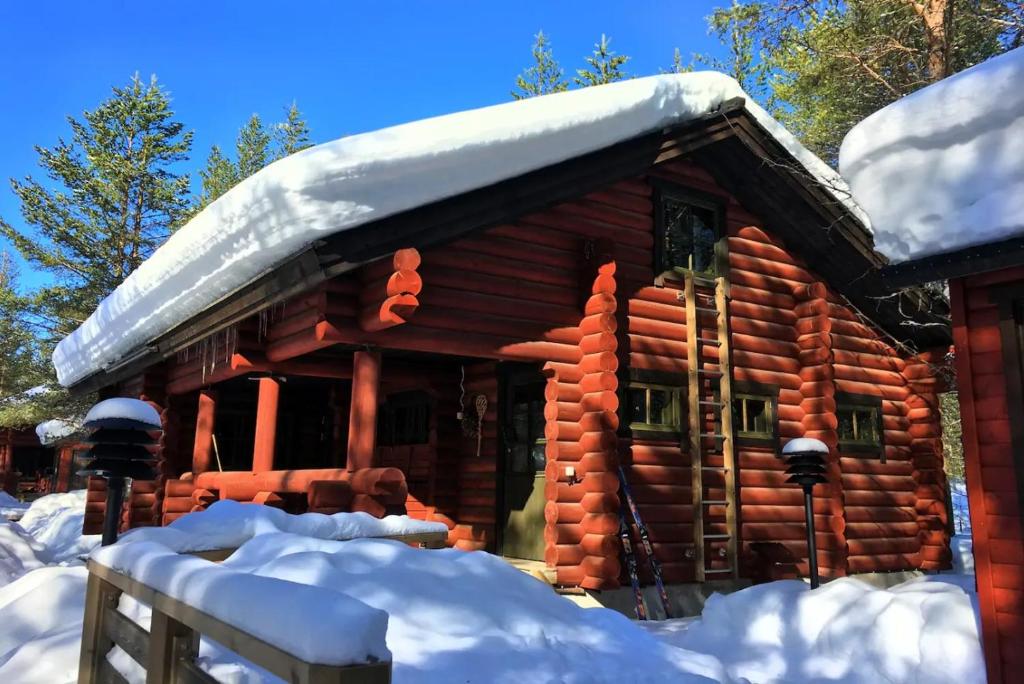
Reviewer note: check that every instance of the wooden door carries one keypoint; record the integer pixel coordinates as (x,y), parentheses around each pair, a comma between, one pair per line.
(522,441)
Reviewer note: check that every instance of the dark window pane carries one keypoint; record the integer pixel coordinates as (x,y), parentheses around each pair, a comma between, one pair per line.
(661,407)
(689,236)
(867,426)
(638,405)
(758,416)
(845,417)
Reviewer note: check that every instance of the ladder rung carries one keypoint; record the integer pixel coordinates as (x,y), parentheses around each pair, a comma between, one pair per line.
(722,468)
(707,372)
(716,502)
(709,571)
(704,309)
(712,435)
(708,340)
(711,403)
(716,536)
(703,279)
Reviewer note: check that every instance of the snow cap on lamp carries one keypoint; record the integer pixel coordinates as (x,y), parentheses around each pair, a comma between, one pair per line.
(123,413)
(804,445)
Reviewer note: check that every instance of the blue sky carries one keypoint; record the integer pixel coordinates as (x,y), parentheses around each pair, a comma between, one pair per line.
(350,66)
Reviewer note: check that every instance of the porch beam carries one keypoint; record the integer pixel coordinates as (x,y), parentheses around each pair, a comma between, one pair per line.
(362,422)
(266,425)
(203,450)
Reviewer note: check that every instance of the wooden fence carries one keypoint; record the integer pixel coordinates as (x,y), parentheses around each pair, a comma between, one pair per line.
(168,650)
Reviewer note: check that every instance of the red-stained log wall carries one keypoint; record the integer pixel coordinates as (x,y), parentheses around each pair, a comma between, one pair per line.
(989,463)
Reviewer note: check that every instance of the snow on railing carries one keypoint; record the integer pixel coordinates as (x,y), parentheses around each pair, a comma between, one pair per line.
(168,651)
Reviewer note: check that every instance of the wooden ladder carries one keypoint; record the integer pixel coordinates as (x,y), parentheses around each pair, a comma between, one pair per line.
(711,438)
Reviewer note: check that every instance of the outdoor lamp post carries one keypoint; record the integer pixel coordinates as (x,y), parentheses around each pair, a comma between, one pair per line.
(805,459)
(121,449)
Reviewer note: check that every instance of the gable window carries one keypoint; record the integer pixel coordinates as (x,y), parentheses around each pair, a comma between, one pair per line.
(404,419)
(688,230)
(860,423)
(654,407)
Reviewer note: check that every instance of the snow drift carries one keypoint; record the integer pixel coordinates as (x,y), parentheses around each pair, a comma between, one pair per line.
(55,521)
(943,168)
(332,187)
(229,524)
(845,632)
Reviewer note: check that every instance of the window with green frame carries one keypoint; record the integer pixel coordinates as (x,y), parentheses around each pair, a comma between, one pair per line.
(754,416)
(654,407)
(688,232)
(860,423)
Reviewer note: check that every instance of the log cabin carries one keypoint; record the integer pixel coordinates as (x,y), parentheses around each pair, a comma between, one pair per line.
(955,217)
(25,463)
(652,274)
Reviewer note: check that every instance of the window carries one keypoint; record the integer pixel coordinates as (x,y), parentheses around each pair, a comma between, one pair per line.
(754,416)
(688,232)
(654,407)
(404,419)
(860,423)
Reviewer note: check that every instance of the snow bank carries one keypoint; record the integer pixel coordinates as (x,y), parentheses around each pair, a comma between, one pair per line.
(55,521)
(943,168)
(471,617)
(19,553)
(279,211)
(41,618)
(845,632)
(315,625)
(229,524)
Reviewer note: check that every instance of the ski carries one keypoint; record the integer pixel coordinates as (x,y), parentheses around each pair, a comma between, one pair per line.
(645,541)
(631,566)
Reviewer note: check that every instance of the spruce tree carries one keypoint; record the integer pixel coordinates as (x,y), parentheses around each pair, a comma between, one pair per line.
(678,66)
(20,365)
(603,66)
(112,196)
(544,77)
(292,134)
(253,147)
(219,176)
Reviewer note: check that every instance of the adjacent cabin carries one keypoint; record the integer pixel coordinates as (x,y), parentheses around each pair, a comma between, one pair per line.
(941,174)
(479,318)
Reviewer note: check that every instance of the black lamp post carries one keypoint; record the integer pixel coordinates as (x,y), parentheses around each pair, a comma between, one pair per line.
(805,459)
(121,450)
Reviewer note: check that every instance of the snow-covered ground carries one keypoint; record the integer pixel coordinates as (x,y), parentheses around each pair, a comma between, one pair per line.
(453,616)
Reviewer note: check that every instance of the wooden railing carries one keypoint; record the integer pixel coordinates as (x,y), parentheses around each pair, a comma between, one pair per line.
(168,650)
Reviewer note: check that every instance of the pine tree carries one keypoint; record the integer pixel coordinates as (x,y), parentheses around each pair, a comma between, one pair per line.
(113,196)
(544,77)
(827,64)
(253,147)
(20,365)
(292,134)
(219,176)
(603,66)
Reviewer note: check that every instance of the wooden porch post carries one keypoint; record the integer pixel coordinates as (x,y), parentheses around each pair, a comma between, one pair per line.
(266,425)
(362,419)
(202,451)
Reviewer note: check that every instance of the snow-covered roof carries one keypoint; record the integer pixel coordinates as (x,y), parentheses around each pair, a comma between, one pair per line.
(943,168)
(278,212)
(56,429)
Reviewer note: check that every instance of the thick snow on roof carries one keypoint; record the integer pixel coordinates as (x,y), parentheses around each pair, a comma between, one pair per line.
(55,429)
(943,168)
(276,213)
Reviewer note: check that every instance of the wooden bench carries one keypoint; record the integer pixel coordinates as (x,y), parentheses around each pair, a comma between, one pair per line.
(169,649)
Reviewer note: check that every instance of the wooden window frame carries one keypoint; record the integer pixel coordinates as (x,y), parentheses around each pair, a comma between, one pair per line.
(862,402)
(664,190)
(760,392)
(672,382)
